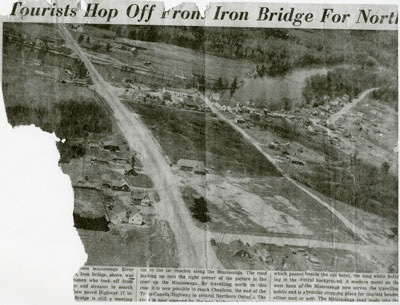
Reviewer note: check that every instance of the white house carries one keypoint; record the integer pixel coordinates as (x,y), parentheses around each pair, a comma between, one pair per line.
(136,219)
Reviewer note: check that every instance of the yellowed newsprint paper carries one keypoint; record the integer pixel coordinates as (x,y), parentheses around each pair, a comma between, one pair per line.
(244,153)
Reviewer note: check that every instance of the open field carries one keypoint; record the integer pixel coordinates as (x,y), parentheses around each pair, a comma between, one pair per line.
(272,257)
(24,84)
(192,135)
(168,58)
(261,206)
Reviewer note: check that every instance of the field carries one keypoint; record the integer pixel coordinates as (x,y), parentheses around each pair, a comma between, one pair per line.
(251,198)
(194,135)
(272,257)
(168,58)
(261,206)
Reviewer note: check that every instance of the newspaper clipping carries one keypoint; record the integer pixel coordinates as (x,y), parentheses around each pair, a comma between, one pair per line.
(244,153)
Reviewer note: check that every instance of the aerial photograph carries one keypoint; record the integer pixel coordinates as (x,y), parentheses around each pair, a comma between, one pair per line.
(218,147)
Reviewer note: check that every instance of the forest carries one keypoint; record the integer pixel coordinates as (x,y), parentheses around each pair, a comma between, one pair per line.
(280,50)
(70,120)
(351,81)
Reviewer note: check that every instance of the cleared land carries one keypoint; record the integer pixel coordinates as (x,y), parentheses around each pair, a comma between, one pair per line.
(193,135)
(272,257)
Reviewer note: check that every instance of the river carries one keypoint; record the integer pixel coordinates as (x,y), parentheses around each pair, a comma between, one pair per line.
(271,90)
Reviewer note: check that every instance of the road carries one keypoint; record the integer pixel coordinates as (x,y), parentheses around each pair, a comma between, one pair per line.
(257,145)
(193,243)
(334,117)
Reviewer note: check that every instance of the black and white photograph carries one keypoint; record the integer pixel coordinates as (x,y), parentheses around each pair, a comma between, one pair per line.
(233,149)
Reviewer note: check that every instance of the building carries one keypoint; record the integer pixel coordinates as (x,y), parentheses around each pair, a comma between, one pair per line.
(37,62)
(136,219)
(216,96)
(296,161)
(111,146)
(239,249)
(99,160)
(264,255)
(94,146)
(239,119)
(192,165)
(134,51)
(313,260)
(120,186)
(190,104)
(142,198)
(119,217)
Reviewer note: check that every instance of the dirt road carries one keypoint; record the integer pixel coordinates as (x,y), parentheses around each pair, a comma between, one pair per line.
(193,244)
(334,117)
(257,145)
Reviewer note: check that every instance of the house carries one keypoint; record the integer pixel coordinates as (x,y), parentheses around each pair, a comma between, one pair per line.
(389,233)
(94,146)
(216,96)
(296,161)
(134,51)
(106,183)
(120,159)
(118,218)
(192,165)
(99,160)
(37,62)
(313,260)
(190,103)
(264,255)
(239,249)
(111,146)
(239,119)
(77,28)
(142,198)
(120,186)
(136,219)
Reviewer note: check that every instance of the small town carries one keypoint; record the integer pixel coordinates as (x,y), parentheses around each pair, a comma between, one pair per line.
(230,164)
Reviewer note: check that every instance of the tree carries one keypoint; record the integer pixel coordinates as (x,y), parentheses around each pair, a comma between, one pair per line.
(234,86)
(287,103)
(88,40)
(202,82)
(166,96)
(278,60)
(133,161)
(81,69)
(80,38)
(199,210)
(385,167)
(219,84)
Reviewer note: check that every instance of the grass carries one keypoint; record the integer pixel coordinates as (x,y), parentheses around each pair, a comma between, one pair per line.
(21,85)
(330,260)
(234,219)
(193,135)
(140,180)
